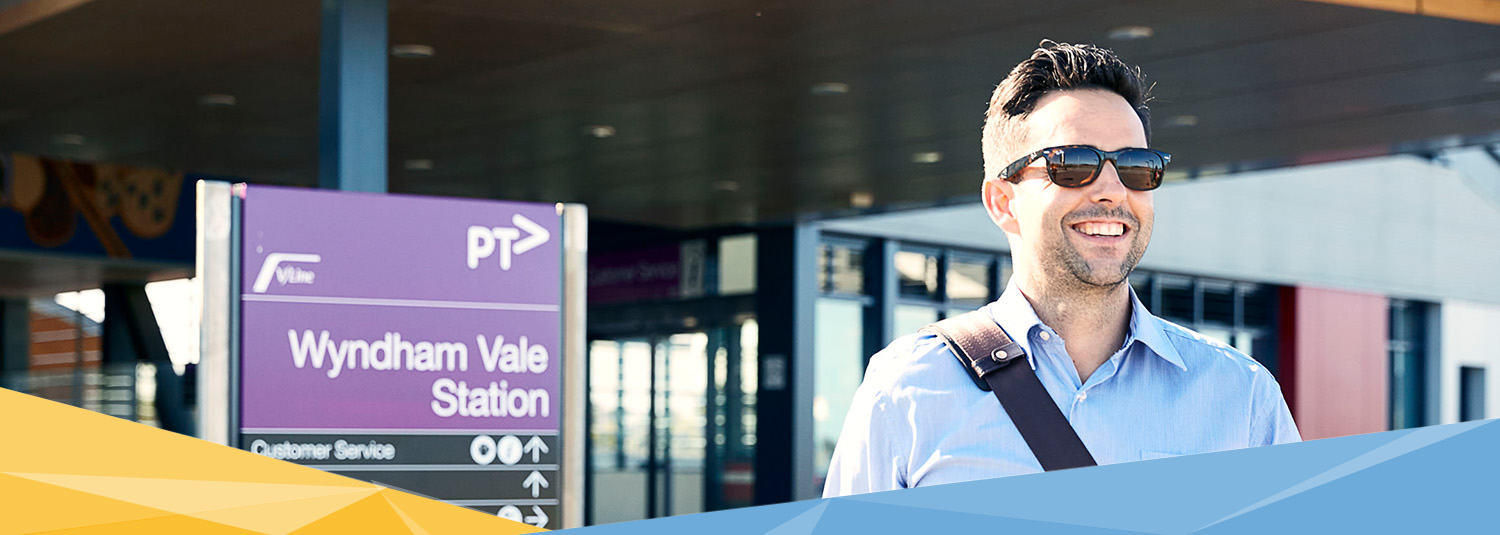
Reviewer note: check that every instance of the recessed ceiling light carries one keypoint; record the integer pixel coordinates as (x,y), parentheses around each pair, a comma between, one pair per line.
(1492,76)
(68,139)
(1131,33)
(927,157)
(1176,121)
(861,199)
(830,88)
(216,100)
(600,131)
(419,164)
(412,51)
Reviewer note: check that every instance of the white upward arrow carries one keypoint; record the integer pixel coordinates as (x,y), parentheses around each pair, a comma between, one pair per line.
(540,520)
(538,234)
(536,446)
(536,482)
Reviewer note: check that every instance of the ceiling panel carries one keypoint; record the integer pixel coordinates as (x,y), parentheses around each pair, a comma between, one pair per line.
(711,104)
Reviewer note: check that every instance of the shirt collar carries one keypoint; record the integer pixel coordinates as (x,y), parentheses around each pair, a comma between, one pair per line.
(1147,328)
(1016,316)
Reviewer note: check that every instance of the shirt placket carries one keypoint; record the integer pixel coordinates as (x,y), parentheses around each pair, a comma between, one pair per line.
(1054,345)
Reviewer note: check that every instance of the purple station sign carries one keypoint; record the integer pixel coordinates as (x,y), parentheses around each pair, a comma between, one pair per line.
(373,323)
(392,312)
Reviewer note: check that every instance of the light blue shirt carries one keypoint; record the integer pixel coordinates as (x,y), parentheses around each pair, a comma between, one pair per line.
(917,419)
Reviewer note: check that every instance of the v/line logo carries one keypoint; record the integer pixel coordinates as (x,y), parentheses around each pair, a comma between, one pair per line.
(275,266)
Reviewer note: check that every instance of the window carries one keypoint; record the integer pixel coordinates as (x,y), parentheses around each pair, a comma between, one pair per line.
(841,268)
(934,283)
(968,282)
(918,272)
(1239,314)
(838,341)
(1141,282)
(1257,305)
(1217,301)
(1408,364)
(1177,302)
(737,264)
(1470,393)
(838,368)
(912,318)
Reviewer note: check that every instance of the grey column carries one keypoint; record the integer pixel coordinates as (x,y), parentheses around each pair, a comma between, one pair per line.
(352,89)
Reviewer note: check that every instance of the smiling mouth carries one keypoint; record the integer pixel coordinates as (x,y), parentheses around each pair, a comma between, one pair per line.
(1100,228)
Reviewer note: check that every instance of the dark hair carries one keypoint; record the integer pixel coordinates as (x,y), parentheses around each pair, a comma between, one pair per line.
(1052,67)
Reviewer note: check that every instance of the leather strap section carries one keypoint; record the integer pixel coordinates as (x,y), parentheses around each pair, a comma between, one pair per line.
(998,364)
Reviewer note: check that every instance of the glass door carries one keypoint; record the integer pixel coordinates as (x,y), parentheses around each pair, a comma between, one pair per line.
(620,420)
(671,427)
(681,416)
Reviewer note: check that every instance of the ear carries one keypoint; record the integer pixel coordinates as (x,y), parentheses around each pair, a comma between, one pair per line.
(997,195)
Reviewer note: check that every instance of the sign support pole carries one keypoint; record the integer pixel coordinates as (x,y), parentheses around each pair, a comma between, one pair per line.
(213,278)
(575,366)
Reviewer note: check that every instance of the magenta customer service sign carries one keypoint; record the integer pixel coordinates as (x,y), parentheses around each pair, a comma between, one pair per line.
(383,312)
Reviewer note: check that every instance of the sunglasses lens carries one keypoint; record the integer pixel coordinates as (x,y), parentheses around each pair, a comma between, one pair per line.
(1140,170)
(1072,167)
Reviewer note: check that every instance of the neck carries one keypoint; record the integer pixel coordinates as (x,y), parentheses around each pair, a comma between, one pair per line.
(1092,320)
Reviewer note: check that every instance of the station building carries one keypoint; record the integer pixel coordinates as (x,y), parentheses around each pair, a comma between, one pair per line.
(776,190)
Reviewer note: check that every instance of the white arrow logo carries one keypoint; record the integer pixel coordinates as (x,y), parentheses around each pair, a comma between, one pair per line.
(540,520)
(538,235)
(536,482)
(536,447)
(482,240)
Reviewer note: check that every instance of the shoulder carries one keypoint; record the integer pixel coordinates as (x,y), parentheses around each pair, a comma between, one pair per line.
(914,363)
(1210,358)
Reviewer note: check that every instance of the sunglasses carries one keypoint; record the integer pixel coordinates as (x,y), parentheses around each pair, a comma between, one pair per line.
(1076,166)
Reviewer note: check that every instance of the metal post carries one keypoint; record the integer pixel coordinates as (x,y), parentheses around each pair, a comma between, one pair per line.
(15,345)
(881,284)
(713,460)
(652,458)
(352,96)
(575,366)
(214,278)
(786,289)
(118,358)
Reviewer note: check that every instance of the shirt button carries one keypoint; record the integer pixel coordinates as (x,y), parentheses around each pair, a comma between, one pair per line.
(1046,336)
(1081,396)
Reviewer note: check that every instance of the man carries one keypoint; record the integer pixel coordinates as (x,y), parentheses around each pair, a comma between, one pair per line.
(1078,217)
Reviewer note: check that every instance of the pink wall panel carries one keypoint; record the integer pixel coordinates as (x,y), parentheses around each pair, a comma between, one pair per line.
(1339,363)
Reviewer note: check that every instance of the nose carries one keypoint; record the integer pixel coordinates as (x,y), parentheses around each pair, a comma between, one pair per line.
(1107,188)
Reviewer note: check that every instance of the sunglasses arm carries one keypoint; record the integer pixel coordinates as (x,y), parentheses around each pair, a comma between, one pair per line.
(1010,171)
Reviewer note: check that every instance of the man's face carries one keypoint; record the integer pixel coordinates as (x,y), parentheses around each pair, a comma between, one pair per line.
(1092,235)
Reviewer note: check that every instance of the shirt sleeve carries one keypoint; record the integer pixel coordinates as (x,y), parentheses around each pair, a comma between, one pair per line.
(1272,422)
(864,459)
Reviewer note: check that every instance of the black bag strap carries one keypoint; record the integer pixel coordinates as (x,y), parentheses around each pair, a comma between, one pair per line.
(998,365)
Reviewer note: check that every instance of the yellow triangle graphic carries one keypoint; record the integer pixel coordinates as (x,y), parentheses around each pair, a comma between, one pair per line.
(188,497)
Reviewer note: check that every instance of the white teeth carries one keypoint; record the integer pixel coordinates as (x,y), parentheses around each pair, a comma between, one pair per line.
(1101,229)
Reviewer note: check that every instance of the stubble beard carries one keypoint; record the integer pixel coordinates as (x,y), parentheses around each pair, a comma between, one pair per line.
(1070,274)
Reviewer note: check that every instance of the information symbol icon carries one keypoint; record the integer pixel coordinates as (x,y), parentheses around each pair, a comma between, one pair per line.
(509,449)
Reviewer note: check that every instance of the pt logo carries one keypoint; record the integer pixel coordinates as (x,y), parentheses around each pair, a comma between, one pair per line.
(277,266)
(483,241)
